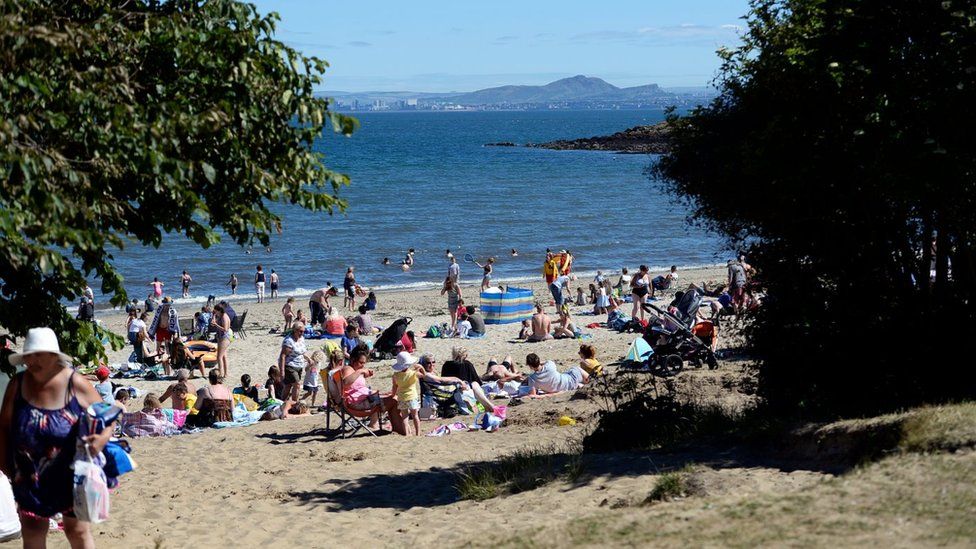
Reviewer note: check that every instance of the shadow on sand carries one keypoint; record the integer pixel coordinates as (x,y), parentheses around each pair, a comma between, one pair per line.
(437,486)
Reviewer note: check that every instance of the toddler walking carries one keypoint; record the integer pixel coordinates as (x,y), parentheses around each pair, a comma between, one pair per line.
(312,380)
(406,385)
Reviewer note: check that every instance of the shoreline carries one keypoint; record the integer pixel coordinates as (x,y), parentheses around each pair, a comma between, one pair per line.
(422,286)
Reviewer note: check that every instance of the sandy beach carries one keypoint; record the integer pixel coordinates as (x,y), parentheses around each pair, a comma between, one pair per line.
(284,482)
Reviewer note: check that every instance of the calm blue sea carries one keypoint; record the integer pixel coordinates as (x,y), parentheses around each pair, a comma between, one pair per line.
(426,181)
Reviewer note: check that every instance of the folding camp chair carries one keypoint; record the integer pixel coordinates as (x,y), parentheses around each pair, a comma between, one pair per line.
(446,398)
(350,420)
(186,327)
(237,325)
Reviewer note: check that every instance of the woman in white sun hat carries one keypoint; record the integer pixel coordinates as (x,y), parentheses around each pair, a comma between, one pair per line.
(38,432)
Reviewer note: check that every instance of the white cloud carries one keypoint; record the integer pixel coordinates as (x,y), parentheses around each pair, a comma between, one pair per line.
(666,35)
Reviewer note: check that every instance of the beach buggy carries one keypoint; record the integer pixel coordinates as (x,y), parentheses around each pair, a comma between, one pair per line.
(672,341)
(386,344)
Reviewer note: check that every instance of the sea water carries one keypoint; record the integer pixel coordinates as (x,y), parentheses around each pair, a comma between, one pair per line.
(426,180)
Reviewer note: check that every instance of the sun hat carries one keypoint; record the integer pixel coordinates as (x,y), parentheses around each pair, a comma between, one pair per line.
(39,340)
(403,360)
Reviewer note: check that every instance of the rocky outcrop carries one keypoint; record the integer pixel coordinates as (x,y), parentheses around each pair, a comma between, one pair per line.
(639,139)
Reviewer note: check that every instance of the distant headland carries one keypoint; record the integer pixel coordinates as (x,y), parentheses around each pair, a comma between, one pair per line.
(574,93)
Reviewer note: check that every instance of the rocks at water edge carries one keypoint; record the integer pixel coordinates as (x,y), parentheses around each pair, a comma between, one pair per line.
(636,140)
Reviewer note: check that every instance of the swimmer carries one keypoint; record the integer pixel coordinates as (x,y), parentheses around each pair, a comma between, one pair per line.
(404,266)
(386,260)
(448,254)
(408,261)
(514,252)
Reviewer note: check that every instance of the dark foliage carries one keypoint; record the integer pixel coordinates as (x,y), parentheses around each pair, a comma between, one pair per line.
(840,154)
(121,121)
(640,411)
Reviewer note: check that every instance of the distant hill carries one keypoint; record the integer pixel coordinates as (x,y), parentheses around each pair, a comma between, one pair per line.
(576,88)
(577,92)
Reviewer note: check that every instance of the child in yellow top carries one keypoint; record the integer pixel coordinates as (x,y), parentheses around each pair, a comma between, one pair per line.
(406,385)
(588,361)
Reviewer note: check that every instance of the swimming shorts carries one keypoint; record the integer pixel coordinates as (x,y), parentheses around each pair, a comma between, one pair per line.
(292,375)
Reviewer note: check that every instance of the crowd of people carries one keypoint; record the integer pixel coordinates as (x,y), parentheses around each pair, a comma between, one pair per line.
(50,389)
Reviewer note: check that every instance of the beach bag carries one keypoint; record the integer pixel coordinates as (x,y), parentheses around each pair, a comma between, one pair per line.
(434,332)
(91,499)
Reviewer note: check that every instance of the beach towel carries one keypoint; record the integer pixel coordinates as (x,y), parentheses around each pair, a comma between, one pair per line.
(448,429)
(639,351)
(246,401)
(242,418)
(177,417)
(148,424)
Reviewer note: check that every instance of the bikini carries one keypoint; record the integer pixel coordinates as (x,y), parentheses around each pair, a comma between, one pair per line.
(640,287)
(43,444)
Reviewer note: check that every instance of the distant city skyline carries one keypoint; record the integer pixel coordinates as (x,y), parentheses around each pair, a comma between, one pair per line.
(440,46)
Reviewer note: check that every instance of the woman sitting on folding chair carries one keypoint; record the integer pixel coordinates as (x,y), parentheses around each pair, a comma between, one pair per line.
(357,395)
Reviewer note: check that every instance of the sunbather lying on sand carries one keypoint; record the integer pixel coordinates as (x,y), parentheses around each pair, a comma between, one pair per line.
(285,410)
(502,372)
(546,381)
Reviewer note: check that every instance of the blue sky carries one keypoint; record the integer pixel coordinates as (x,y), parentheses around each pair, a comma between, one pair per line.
(466,45)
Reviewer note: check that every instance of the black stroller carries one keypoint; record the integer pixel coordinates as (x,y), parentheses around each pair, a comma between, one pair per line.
(672,340)
(386,345)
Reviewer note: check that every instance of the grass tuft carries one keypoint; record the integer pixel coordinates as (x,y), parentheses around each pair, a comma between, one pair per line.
(520,471)
(946,427)
(668,487)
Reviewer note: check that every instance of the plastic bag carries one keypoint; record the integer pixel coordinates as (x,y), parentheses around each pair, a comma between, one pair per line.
(9,521)
(90,489)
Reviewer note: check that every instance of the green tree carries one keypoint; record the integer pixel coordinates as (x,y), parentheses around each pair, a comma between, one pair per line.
(840,153)
(121,121)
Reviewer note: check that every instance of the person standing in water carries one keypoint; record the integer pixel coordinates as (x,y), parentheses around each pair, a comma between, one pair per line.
(259,284)
(233,284)
(408,260)
(157,287)
(274,284)
(185,282)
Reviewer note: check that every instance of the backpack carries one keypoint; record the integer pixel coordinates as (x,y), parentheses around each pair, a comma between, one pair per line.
(434,332)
